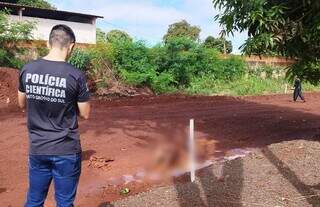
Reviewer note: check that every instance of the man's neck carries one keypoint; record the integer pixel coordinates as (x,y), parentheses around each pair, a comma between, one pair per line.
(56,55)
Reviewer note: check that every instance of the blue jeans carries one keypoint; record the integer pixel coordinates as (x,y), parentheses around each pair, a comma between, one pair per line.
(64,170)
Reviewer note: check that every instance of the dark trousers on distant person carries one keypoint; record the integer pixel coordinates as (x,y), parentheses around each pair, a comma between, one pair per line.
(63,170)
(298,93)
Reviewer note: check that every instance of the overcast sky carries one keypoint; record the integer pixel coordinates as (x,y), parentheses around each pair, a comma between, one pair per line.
(149,19)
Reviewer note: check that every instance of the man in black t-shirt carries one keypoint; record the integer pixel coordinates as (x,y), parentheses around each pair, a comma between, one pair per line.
(54,93)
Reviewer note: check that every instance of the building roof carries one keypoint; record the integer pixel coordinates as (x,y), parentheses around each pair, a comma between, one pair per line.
(48,13)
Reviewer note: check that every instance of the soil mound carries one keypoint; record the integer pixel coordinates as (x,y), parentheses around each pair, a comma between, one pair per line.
(120,91)
(8,86)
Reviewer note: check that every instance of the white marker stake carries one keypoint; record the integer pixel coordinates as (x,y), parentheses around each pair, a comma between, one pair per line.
(192,151)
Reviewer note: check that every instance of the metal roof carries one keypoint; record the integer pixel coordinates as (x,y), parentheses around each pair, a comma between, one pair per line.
(48,13)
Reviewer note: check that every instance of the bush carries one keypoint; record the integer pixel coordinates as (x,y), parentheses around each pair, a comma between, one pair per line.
(42,51)
(9,59)
(101,69)
(165,68)
(11,33)
(137,78)
(231,68)
(179,58)
(80,59)
(131,56)
(186,59)
(138,66)
(180,64)
(163,83)
(223,69)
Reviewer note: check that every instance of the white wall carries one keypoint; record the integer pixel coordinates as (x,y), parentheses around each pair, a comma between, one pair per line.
(85,33)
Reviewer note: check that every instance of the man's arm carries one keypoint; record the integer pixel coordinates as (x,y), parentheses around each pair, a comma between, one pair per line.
(84,109)
(21,99)
(83,97)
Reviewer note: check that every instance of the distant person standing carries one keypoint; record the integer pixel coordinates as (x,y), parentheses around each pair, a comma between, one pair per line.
(297,90)
(55,93)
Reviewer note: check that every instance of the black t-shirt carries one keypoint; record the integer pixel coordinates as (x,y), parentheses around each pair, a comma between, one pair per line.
(297,84)
(53,89)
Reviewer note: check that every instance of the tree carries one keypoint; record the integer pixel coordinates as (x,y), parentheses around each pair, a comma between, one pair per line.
(34,3)
(112,36)
(10,34)
(289,27)
(223,35)
(221,44)
(116,35)
(182,29)
(101,35)
(37,3)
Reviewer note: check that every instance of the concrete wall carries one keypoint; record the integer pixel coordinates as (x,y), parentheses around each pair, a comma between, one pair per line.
(256,61)
(85,33)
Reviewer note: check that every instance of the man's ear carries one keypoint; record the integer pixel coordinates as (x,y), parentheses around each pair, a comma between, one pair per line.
(71,47)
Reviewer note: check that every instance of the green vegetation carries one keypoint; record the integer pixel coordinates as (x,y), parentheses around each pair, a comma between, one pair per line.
(117,35)
(182,29)
(164,68)
(80,59)
(221,44)
(246,85)
(112,36)
(10,34)
(34,3)
(179,65)
(251,85)
(287,27)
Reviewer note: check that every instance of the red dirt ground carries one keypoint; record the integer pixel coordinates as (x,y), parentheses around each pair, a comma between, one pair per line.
(127,130)
(8,86)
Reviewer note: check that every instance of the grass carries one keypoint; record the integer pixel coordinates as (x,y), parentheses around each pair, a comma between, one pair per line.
(247,85)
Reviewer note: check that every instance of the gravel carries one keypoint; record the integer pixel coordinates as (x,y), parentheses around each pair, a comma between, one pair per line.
(283,174)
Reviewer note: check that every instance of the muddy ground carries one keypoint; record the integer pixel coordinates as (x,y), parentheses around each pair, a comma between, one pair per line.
(127,131)
(8,86)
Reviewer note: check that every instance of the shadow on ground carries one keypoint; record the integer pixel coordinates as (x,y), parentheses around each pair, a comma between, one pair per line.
(304,190)
(86,154)
(217,192)
(2,190)
(105,204)
(229,122)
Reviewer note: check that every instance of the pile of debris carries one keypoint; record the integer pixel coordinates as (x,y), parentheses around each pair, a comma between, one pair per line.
(100,163)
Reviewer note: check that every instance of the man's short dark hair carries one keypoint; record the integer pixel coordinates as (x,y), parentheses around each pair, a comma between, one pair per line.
(62,36)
